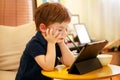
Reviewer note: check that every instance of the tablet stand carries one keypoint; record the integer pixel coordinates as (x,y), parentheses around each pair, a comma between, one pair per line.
(86,66)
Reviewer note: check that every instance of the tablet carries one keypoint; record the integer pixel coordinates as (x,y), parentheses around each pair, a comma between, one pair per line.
(89,51)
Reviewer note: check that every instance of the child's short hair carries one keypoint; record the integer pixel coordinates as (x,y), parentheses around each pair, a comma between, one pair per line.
(49,13)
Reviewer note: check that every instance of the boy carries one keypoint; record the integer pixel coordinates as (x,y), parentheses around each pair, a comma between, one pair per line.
(43,50)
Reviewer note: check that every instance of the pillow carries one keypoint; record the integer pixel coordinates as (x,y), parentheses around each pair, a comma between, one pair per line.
(12,43)
(10,60)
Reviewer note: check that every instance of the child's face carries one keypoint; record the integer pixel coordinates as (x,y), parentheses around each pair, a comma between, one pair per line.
(61,28)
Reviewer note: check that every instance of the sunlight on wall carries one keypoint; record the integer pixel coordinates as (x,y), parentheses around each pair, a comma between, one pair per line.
(39,2)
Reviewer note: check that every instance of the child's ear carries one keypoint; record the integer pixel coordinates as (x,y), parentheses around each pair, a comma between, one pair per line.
(42,27)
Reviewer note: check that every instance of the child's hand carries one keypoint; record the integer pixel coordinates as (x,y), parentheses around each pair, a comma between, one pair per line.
(62,36)
(50,36)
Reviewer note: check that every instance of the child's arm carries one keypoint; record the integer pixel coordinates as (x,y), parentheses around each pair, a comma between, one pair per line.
(67,56)
(47,61)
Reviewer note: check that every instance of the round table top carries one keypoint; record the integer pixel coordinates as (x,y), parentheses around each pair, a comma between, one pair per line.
(60,72)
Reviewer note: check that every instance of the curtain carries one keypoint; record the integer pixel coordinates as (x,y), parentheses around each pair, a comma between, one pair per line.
(104,19)
(15,12)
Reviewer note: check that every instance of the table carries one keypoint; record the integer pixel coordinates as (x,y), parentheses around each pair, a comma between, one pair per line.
(60,72)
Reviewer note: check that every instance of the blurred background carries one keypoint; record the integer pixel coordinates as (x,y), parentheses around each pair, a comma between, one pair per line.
(101,17)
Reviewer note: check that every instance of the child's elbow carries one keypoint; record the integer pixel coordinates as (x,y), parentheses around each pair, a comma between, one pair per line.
(49,68)
(68,65)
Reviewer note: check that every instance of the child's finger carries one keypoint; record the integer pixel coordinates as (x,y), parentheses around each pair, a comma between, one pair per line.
(56,33)
(58,36)
(47,31)
(51,31)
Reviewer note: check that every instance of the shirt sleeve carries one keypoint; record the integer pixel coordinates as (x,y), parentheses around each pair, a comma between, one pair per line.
(35,49)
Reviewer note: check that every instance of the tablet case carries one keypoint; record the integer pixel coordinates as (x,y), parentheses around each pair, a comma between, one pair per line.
(87,59)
